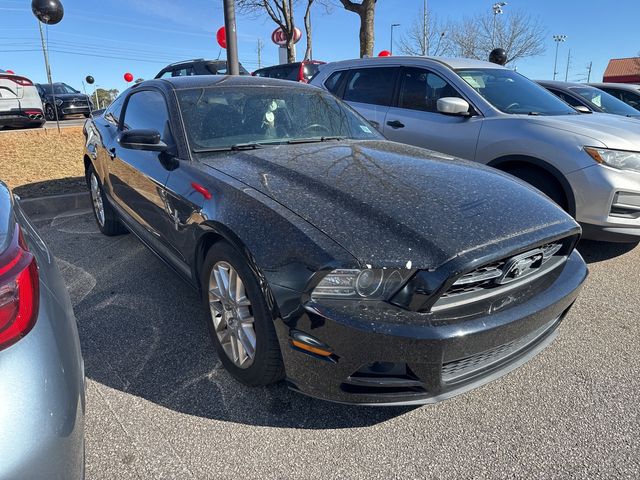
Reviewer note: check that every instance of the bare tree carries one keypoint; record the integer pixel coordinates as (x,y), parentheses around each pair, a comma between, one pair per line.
(366,10)
(519,34)
(426,36)
(326,5)
(280,11)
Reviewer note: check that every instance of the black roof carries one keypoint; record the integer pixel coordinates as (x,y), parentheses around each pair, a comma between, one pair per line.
(195,81)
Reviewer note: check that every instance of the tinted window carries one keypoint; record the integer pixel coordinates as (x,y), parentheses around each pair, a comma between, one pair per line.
(147,109)
(513,93)
(603,100)
(567,98)
(631,98)
(219,117)
(112,113)
(333,82)
(371,85)
(421,90)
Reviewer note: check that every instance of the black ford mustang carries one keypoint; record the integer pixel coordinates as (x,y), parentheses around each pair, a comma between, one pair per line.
(359,270)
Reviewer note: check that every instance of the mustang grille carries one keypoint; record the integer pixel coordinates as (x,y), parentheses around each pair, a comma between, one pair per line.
(498,275)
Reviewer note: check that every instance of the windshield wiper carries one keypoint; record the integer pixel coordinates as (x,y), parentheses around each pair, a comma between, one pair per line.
(235,147)
(314,139)
(246,146)
(534,113)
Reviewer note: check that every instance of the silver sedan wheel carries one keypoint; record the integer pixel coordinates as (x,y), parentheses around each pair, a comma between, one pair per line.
(232,315)
(96,198)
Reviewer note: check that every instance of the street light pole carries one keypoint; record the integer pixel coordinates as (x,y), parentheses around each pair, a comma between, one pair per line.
(232,41)
(497,10)
(557,39)
(393,25)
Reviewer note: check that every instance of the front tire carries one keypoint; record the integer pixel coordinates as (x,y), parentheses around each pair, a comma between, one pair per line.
(239,320)
(106,217)
(50,113)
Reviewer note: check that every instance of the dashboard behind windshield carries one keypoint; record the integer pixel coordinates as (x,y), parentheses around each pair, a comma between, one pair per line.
(513,93)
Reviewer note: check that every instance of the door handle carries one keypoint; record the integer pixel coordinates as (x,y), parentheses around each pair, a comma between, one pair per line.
(112,153)
(395,124)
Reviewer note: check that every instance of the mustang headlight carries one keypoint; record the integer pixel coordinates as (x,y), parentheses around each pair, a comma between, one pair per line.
(622,159)
(59,101)
(369,284)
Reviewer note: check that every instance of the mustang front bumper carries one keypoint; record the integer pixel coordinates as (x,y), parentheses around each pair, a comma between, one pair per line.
(385,355)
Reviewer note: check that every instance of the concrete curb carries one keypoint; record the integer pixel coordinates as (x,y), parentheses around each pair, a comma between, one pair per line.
(53,205)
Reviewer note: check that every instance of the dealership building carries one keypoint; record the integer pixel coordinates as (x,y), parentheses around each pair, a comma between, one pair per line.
(623,70)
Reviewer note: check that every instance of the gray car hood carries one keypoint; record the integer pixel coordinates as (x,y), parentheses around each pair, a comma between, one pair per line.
(613,131)
(394,205)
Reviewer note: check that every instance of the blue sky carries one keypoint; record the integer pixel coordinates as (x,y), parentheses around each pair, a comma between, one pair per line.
(145,35)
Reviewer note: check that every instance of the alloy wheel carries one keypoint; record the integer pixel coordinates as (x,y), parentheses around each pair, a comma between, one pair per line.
(232,315)
(49,113)
(96,198)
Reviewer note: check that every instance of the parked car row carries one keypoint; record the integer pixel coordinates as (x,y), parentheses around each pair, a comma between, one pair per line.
(24,104)
(358,268)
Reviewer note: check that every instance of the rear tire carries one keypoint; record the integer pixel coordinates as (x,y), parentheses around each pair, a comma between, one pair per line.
(543,181)
(240,315)
(104,214)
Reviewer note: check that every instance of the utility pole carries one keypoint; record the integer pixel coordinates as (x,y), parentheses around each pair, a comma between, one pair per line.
(259,50)
(45,53)
(232,41)
(425,19)
(557,39)
(566,74)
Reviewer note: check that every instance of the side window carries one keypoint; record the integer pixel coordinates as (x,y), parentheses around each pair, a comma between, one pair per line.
(112,113)
(567,98)
(333,82)
(371,85)
(147,109)
(631,98)
(183,72)
(166,74)
(422,89)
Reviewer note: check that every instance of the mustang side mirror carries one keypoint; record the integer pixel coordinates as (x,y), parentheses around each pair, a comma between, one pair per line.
(142,139)
(453,106)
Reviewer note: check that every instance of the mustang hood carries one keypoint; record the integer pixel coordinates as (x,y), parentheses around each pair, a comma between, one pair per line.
(398,206)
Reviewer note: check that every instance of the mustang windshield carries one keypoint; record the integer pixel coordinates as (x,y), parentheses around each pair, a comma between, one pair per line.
(219,118)
(513,93)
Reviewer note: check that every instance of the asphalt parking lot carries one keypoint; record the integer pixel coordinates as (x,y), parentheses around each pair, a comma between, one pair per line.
(159,404)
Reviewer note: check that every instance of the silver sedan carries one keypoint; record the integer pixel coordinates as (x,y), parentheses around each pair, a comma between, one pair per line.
(42,395)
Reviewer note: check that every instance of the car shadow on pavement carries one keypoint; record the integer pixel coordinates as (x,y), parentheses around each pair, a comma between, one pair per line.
(594,252)
(143,332)
(51,187)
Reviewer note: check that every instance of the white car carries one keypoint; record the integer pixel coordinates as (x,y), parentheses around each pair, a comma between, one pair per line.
(20,104)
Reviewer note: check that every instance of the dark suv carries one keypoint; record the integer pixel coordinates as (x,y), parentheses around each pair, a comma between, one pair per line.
(297,72)
(67,100)
(198,66)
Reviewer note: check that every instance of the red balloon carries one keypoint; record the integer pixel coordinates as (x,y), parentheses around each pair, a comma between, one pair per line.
(128,77)
(384,53)
(11,72)
(221,37)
